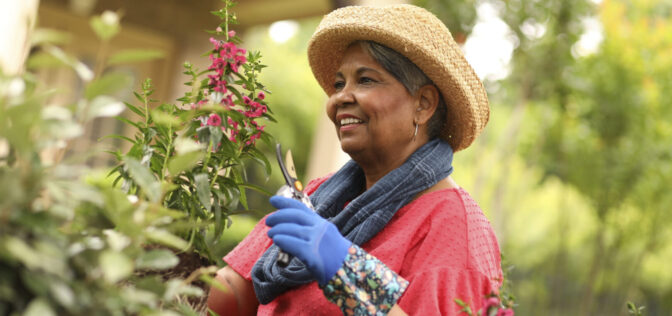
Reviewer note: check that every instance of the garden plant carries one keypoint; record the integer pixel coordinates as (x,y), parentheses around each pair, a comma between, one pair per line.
(80,241)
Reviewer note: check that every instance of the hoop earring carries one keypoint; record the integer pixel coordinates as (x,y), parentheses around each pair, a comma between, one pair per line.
(416,131)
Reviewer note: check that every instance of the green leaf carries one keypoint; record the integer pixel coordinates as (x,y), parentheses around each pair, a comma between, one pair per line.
(159,259)
(116,266)
(239,180)
(106,25)
(166,238)
(219,227)
(144,178)
(54,56)
(215,136)
(135,110)
(104,106)
(39,307)
(177,287)
(110,83)
(43,36)
(18,249)
(135,55)
(62,293)
(184,162)
(164,119)
(116,240)
(44,60)
(118,137)
(259,157)
(255,187)
(213,282)
(203,190)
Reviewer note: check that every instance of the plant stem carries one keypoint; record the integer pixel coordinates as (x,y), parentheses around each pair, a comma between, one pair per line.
(226,21)
(168,149)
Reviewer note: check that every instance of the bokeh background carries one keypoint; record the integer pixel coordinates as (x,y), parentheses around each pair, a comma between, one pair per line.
(573,170)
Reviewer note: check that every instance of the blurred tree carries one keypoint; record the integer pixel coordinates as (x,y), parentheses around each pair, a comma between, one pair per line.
(459,16)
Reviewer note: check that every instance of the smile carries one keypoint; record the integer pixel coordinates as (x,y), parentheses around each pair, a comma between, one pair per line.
(349,121)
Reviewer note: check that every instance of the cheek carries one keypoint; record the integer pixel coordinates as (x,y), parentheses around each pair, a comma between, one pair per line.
(331,110)
(390,111)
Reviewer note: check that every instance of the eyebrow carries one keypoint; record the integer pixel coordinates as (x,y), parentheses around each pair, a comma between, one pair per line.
(359,71)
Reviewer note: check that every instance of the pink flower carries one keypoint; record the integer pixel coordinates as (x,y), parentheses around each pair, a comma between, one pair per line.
(219,29)
(246,99)
(505,312)
(232,123)
(491,302)
(214,120)
(261,95)
(232,33)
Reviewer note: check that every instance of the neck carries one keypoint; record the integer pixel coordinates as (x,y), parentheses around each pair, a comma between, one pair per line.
(378,166)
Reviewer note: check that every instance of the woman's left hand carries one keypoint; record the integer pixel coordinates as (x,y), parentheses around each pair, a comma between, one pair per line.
(299,231)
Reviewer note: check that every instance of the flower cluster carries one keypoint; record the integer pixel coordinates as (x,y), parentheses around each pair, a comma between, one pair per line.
(492,304)
(226,59)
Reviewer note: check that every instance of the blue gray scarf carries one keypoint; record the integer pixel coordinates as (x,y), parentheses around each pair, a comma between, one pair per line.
(363,217)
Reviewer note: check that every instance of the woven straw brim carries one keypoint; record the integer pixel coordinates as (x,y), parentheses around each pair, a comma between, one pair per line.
(422,38)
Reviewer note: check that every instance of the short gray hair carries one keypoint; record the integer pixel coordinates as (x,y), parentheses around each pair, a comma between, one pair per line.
(412,77)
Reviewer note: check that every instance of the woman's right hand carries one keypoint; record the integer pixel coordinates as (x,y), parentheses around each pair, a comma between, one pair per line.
(238,299)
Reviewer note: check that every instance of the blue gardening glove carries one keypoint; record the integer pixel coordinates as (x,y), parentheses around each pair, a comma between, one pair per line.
(299,231)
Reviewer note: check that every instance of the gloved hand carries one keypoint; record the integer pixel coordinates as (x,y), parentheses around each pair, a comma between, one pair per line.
(299,231)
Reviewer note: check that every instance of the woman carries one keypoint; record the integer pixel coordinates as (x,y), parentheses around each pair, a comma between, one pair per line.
(392,233)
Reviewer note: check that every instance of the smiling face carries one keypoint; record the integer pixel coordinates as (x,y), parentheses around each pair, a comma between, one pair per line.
(372,111)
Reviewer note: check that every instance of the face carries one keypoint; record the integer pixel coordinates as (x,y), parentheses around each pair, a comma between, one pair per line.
(371,110)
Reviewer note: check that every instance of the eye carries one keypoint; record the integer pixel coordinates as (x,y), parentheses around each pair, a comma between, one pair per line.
(365,80)
(339,84)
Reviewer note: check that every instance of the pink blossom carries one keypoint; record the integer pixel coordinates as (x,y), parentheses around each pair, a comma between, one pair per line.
(214,120)
(505,312)
(261,95)
(219,29)
(246,99)
(232,33)
(232,123)
(488,303)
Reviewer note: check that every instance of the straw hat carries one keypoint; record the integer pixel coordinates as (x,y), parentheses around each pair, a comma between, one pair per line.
(421,37)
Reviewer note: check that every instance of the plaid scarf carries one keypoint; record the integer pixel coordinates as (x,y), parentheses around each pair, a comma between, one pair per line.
(362,218)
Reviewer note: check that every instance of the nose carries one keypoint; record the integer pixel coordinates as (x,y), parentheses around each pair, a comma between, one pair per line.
(343,96)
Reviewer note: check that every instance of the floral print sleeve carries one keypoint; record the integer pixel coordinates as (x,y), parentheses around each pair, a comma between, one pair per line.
(364,285)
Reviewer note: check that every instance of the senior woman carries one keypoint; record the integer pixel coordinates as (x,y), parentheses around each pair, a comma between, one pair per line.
(392,233)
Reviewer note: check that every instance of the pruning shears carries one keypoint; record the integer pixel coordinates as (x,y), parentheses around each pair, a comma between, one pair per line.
(293,188)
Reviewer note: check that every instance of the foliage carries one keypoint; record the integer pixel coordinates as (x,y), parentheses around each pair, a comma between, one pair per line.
(458,16)
(71,242)
(190,157)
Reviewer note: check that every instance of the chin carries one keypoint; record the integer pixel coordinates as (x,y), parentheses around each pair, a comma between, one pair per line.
(350,147)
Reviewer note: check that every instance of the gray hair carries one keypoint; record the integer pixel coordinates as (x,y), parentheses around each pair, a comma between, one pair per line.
(412,77)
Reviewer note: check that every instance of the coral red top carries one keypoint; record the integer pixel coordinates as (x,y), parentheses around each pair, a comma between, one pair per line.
(441,243)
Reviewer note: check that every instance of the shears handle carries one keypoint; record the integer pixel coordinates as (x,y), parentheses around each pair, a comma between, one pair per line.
(292,189)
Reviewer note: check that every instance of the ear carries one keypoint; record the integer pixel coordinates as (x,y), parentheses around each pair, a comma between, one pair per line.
(428,100)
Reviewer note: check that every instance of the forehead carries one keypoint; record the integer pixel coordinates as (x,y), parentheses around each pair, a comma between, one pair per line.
(356,57)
